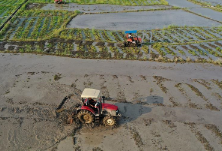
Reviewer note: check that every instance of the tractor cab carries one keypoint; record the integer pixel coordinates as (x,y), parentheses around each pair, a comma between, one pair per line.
(58,1)
(94,108)
(132,39)
(91,98)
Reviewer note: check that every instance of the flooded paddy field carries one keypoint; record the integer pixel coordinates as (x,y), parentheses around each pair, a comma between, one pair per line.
(208,13)
(139,20)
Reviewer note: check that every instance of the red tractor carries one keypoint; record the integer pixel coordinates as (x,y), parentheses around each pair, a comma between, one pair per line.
(132,40)
(93,109)
(58,1)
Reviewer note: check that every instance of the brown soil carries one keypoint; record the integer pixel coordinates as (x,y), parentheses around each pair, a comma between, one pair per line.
(2,46)
(184,47)
(19,48)
(78,42)
(11,47)
(219,44)
(213,46)
(110,44)
(32,6)
(100,44)
(88,42)
(194,47)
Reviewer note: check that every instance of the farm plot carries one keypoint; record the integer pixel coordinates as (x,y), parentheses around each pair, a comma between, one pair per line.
(36,24)
(139,20)
(203,52)
(173,44)
(175,34)
(114,2)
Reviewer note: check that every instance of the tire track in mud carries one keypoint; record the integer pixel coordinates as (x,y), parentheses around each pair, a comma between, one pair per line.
(184,93)
(120,95)
(159,81)
(200,136)
(157,141)
(135,135)
(104,89)
(215,130)
(88,83)
(198,93)
(203,83)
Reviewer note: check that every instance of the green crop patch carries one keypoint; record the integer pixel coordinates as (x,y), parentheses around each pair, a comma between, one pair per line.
(11,2)
(7,8)
(35,24)
(43,13)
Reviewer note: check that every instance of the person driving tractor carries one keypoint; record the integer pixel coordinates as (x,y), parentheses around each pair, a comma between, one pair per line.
(130,36)
(132,40)
(92,102)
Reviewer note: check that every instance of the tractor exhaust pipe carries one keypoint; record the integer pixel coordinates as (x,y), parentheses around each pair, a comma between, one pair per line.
(103,99)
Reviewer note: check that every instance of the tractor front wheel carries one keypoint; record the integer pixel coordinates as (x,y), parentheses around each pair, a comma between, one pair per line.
(85,117)
(109,121)
(125,44)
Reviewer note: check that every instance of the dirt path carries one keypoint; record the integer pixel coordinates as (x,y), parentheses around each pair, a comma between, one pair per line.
(100,8)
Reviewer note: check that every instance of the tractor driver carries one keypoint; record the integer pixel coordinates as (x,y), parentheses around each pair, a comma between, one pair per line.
(130,36)
(92,102)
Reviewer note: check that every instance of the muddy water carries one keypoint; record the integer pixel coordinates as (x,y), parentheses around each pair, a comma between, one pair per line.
(198,9)
(99,8)
(139,20)
(208,13)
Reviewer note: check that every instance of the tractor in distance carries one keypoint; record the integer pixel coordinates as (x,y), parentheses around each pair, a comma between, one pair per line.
(93,109)
(58,1)
(132,41)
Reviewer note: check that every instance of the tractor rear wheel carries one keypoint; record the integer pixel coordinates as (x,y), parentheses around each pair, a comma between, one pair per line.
(85,117)
(125,44)
(109,121)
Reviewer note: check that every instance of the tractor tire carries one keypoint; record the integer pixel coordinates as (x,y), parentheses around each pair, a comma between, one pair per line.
(125,44)
(85,117)
(109,121)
